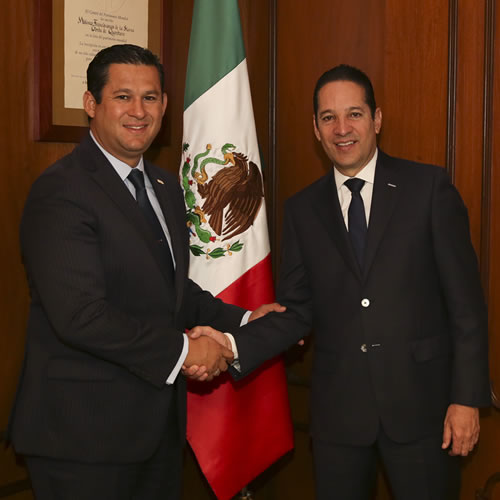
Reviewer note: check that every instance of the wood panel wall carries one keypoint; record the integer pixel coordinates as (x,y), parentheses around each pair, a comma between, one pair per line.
(435,67)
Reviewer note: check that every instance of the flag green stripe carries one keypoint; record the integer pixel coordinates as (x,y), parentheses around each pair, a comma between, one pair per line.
(216,45)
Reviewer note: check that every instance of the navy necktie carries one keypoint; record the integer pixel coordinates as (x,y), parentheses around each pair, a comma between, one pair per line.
(357,219)
(136,177)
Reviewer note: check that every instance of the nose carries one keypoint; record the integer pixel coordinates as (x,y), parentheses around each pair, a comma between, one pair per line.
(137,108)
(343,127)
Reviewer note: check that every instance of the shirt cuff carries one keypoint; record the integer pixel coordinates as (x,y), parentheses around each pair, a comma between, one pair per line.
(177,368)
(236,361)
(245,318)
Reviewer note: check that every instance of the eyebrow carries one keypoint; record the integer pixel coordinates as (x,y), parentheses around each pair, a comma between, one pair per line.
(352,108)
(129,91)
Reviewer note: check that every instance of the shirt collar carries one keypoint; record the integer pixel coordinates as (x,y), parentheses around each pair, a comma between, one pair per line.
(122,169)
(367,173)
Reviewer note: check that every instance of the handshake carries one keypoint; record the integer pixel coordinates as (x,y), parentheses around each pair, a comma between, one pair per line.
(209,354)
(210,351)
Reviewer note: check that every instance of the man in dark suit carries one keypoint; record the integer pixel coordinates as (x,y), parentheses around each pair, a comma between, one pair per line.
(377,258)
(100,409)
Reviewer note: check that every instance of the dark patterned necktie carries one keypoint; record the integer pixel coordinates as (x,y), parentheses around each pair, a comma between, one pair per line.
(357,219)
(136,177)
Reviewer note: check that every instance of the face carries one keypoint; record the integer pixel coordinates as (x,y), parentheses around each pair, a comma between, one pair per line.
(345,127)
(130,113)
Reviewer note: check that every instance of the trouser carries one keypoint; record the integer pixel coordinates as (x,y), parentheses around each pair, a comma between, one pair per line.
(158,478)
(419,470)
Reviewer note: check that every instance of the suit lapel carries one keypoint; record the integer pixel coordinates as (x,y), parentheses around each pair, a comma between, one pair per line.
(110,182)
(385,195)
(164,195)
(327,207)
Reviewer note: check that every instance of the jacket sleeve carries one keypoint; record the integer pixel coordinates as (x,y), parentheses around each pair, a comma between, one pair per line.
(62,244)
(460,281)
(205,309)
(272,334)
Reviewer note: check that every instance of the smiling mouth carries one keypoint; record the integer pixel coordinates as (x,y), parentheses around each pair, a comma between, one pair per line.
(135,127)
(344,144)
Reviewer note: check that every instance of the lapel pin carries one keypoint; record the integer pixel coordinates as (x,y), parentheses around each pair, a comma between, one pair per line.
(391,185)
(159,181)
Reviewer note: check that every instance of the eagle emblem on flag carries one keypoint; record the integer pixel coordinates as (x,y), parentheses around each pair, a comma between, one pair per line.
(223,197)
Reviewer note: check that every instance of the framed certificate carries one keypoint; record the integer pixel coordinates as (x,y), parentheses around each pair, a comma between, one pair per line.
(68,35)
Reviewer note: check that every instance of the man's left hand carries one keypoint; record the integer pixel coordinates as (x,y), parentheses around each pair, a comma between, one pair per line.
(266,308)
(461,429)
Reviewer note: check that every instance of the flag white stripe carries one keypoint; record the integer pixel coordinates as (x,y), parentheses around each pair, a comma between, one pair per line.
(224,114)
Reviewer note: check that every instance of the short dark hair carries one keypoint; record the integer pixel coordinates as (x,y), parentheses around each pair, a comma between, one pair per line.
(98,70)
(346,73)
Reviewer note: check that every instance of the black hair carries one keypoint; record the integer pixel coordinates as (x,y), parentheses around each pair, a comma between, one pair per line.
(98,70)
(344,72)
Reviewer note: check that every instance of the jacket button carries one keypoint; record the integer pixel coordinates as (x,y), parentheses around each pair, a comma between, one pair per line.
(363,348)
(365,302)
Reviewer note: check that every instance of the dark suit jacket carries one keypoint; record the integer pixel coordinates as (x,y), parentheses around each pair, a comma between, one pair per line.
(105,324)
(397,342)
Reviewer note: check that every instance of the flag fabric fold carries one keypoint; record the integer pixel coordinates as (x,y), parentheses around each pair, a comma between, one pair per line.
(236,429)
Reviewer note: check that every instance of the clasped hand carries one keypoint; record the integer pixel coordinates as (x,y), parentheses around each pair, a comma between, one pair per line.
(206,357)
(195,368)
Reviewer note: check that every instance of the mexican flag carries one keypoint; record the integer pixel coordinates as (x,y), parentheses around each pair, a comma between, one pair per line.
(236,430)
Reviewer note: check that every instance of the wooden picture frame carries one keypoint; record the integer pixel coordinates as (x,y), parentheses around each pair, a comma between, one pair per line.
(49,71)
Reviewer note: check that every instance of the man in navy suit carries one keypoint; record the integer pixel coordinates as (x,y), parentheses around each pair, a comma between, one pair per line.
(101,407)
(377,259)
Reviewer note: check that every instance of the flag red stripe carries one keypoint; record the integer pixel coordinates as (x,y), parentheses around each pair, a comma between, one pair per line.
(234,441)
(253,288)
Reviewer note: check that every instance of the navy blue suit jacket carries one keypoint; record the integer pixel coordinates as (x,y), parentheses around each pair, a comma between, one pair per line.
(105,322)
(398,341)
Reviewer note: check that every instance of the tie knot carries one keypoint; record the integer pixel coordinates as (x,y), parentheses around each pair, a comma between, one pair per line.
(354,184)
(136,177)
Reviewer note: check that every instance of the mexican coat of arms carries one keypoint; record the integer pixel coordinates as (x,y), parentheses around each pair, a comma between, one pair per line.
(221,206)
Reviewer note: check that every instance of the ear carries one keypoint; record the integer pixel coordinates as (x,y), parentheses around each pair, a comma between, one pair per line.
(164,102)
(378,120)
(89,104)
(315,126)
